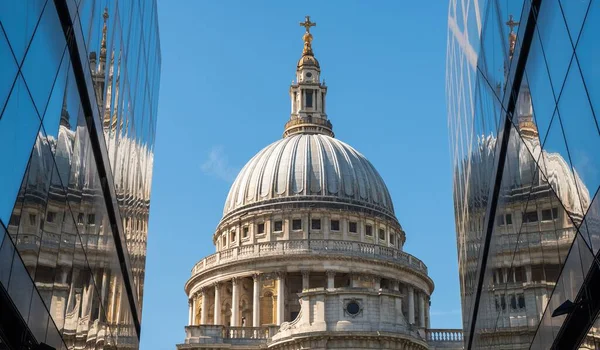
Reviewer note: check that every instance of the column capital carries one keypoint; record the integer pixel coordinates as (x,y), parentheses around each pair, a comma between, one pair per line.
(235,280)
(257,277)
(217,284)
(280,274)
(202,291)
(305,273)
(330,273)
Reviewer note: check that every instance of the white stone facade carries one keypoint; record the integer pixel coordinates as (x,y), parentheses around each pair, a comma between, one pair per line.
(309,253)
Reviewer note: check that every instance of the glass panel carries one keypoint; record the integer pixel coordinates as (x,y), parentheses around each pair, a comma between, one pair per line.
(574,12)
(20,286)
(537,81)
(38,318)
(555,43)
(7,250)
(8,69)
(588,56)
(18,127)
(19,19)
(44,57)
(581,135)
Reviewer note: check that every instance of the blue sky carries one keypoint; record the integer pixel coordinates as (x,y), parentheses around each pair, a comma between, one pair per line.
(226,70)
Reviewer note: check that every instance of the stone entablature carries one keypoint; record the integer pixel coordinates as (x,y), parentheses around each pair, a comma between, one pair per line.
(310,247)
(321,223)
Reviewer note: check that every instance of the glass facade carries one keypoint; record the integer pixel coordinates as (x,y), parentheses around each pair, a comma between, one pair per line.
(523,98)
(79,86)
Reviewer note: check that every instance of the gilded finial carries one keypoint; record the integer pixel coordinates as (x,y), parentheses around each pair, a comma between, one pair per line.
(307,37)
(512,37)
(103,43)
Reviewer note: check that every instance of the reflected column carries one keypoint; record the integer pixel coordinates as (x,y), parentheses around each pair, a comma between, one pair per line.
(256,301)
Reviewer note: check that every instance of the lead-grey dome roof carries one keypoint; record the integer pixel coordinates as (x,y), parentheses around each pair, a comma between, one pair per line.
(309,165)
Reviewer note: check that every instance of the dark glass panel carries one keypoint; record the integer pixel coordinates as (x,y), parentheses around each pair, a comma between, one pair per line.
(18,127)
(44,56)
(7,250)
(38,318)
(19,19)
(53,337)
(20,286)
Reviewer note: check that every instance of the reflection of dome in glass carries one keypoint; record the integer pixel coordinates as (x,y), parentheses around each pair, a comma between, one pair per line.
(556,171)
(304,165)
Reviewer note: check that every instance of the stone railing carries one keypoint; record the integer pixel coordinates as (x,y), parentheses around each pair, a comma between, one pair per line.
(246,332)
(218,334)
(444,335)
(313,246)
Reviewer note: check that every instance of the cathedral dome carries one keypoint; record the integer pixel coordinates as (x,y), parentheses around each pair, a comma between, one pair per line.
(309,167)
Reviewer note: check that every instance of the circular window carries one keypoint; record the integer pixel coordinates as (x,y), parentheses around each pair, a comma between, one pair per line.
(353,308)
(309,74)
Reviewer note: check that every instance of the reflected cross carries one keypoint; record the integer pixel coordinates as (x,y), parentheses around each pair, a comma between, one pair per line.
(511,23)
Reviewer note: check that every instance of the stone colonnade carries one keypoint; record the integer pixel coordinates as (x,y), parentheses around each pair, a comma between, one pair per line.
(416,300)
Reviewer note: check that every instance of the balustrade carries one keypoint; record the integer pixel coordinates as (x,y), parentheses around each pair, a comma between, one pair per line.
(444,335)
(291,247)
(245,332)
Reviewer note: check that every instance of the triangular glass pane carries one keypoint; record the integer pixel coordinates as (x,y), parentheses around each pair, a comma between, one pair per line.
(555,43)
(18,131)
(44,57)
(581,135)
(19,19)
(588,57)
(574,13)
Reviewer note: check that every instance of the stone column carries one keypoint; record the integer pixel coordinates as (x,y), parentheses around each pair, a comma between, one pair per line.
(427,315)
(305,279)
(235,302)
(204,311)
(376,283)
(256,301)
(411,305)
(191,307)
(421,310)
(280,297)
(330,279)
(396,285)
(354,278)
(217,317)
(193,310)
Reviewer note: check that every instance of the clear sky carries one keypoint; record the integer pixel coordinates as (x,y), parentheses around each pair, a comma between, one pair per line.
(226,70)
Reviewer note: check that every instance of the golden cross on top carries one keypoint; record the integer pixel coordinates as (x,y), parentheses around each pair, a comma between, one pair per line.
(511,23)
(307,24)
